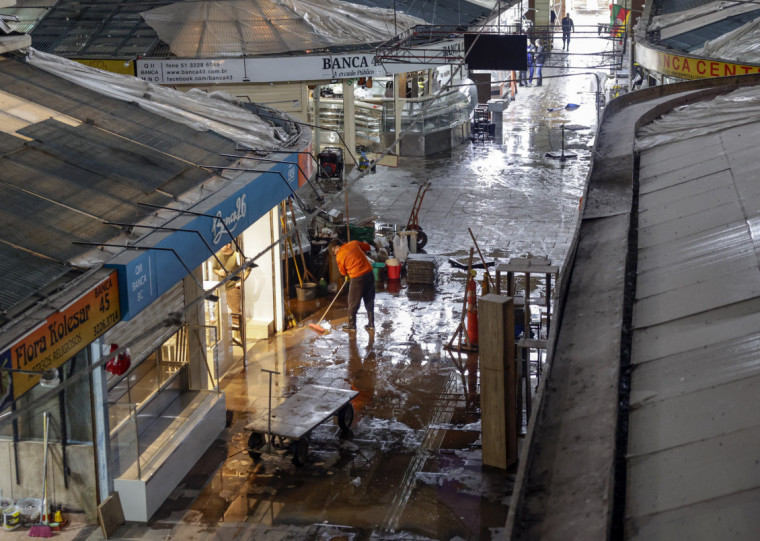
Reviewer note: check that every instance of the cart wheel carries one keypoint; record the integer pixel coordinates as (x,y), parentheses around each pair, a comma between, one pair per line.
(300,451)
(346,417)
(255,441)
(421,239)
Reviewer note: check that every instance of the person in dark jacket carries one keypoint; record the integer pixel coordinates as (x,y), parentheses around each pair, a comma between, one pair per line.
(539,58)
(567,27)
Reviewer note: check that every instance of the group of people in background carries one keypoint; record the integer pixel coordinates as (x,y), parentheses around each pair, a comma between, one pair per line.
(536,58)
(537,52)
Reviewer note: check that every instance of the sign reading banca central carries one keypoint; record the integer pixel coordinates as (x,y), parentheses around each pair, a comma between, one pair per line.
(258,70)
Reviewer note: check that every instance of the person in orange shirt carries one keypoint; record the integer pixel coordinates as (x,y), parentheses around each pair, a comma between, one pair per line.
(353,263)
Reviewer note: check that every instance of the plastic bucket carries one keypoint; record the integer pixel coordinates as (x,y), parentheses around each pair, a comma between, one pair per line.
(11,518)
(394,268)
(307,291)
(30,509)
(377,269)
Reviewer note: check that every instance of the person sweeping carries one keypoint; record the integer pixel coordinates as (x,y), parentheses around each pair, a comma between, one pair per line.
(354,265)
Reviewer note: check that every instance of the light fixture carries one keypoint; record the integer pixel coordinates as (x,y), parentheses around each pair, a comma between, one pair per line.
(49,379)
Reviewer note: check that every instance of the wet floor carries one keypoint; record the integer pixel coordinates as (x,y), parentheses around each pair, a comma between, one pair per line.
(410,466)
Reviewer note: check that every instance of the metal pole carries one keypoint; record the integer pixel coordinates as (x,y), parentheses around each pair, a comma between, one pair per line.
(269,420)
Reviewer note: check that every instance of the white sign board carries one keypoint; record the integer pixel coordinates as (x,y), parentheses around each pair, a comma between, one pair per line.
(189,71)
(271,70)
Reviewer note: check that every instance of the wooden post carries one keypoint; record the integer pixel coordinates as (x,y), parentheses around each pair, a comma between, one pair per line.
(498,380)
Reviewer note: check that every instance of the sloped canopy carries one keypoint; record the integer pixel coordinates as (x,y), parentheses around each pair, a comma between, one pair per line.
(218,28)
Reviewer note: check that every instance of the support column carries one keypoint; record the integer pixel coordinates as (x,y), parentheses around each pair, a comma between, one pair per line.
(317,131)
(397,105)
(102,428)
(195,318)
(349,122)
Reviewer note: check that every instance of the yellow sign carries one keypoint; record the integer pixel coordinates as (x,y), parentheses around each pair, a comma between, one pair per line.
(125,67)
(65,333)
(688,67)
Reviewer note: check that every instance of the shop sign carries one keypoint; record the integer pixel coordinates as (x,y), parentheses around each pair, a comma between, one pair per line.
(191,71)
(114,66)
(63,335)
(158,267)
(687,67)
(290,68)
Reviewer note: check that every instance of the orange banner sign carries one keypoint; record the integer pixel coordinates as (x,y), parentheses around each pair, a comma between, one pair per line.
(64,334)
(687,67)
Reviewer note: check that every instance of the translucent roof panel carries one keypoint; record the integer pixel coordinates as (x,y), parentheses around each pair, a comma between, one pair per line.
(258,27)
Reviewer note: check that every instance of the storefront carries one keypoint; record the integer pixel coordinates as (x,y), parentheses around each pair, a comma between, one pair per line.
(59,346)
(121,207)
(186,329)
(349,99)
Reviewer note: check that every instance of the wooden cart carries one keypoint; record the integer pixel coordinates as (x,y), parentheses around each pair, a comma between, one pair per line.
(287,427)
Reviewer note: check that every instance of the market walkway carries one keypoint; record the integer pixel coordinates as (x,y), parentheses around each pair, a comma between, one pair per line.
(411,465)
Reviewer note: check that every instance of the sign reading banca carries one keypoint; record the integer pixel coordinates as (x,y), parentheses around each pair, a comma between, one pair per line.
(258,70)
(289,68)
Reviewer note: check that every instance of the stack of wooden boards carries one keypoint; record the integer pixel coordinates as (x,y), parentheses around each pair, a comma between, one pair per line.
(421,269)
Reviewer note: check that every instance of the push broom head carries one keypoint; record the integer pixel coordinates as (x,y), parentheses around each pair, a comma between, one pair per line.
(318,328)
(40,530)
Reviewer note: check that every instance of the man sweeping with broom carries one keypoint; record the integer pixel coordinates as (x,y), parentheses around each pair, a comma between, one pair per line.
(353,263)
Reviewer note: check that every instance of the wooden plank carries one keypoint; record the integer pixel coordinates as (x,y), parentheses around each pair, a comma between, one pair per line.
(110,515)
(498,380)
(537,266)
(304,410)
(532,343)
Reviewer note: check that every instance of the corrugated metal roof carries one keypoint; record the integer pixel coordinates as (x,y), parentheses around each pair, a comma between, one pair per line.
(694,432)
(26,273)
(662,7)
(106,29)
(62,185)
(694,39)
(122,118)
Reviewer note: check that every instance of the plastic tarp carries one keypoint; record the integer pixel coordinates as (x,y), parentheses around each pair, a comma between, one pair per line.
(740,45)
(215,111)
(659,22)
(739,107)
(219,28)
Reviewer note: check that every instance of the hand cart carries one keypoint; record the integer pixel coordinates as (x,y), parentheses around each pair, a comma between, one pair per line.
(287,427)
(413,224)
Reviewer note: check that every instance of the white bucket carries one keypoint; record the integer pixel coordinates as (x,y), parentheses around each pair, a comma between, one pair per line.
(11,518)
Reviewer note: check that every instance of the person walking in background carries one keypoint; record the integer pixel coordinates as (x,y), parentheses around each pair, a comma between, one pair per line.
(354,265)
(539,57)
(531,63)
(523,81)
(567,27)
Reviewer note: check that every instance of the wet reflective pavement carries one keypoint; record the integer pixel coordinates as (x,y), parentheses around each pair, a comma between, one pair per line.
(410,467)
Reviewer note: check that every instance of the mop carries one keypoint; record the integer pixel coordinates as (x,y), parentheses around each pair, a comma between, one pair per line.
(43,529)
(316,326)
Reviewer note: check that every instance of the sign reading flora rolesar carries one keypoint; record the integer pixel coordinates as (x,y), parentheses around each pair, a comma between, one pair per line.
(64,334)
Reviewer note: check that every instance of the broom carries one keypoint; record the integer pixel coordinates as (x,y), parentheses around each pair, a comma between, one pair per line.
(316,326)
(42,529)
